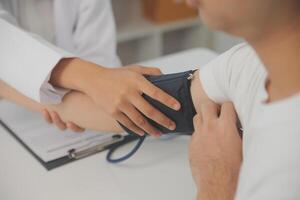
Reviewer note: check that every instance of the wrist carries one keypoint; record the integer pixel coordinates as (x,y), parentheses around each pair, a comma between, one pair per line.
(218,188)
(75,74)
(218,193)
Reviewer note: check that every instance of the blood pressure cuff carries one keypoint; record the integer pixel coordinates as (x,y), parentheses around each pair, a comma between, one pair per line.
(178,86)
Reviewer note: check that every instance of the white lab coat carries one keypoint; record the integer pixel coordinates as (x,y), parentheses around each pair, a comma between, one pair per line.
(80,28)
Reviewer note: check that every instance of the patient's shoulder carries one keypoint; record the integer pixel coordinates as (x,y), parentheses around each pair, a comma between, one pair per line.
(238,74)
(241,63)
(242,55)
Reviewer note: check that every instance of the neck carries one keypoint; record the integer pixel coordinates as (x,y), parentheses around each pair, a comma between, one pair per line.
(279,50)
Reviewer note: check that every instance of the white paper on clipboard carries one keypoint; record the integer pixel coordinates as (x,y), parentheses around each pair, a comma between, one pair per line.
(45,140)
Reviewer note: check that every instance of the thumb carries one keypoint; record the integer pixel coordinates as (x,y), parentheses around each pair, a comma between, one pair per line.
(197,120)
(228,112)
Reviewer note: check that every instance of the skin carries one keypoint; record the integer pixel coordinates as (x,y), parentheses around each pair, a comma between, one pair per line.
(272,28)
(117,92)
(203,148)
(216,151)
(87,113)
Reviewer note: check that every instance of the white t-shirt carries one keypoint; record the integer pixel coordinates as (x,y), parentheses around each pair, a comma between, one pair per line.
(271,140)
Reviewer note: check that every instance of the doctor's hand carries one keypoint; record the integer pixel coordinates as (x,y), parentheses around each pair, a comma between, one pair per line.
(216,152)
(118,92)
(53,118)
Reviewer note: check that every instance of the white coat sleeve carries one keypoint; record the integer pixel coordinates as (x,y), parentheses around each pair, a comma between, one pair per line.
(91,27)
(26,62)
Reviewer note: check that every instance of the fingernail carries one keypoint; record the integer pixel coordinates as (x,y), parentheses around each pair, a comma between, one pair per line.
(141,132)
(176,106)
(172,126)
(157,136)
(158,133)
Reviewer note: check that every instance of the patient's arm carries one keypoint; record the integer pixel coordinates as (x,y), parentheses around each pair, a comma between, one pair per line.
(80,109)
(76,107)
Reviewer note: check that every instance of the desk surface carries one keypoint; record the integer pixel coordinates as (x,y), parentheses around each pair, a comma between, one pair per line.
(160,169)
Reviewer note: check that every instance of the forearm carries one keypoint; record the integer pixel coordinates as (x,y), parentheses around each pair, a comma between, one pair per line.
(215,194)
(10,94)
(76,74)
(212,188)
(222,187)
(76,107)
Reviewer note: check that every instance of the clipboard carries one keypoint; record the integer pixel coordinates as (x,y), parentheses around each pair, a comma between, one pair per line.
(72,154)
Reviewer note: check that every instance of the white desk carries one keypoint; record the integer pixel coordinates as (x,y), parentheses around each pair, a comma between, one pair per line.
(160,170)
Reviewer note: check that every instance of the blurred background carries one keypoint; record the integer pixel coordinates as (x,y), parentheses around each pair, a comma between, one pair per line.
(152,28)
(146,29)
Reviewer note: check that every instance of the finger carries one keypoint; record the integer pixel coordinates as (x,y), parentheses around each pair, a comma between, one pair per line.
(228,112)
(148,110)
(47,116)
(74,127)
(125,121)
(209,111)
(139,120)
(197,120)
(57,121)
(150,71)
(159,95)
(145,70)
